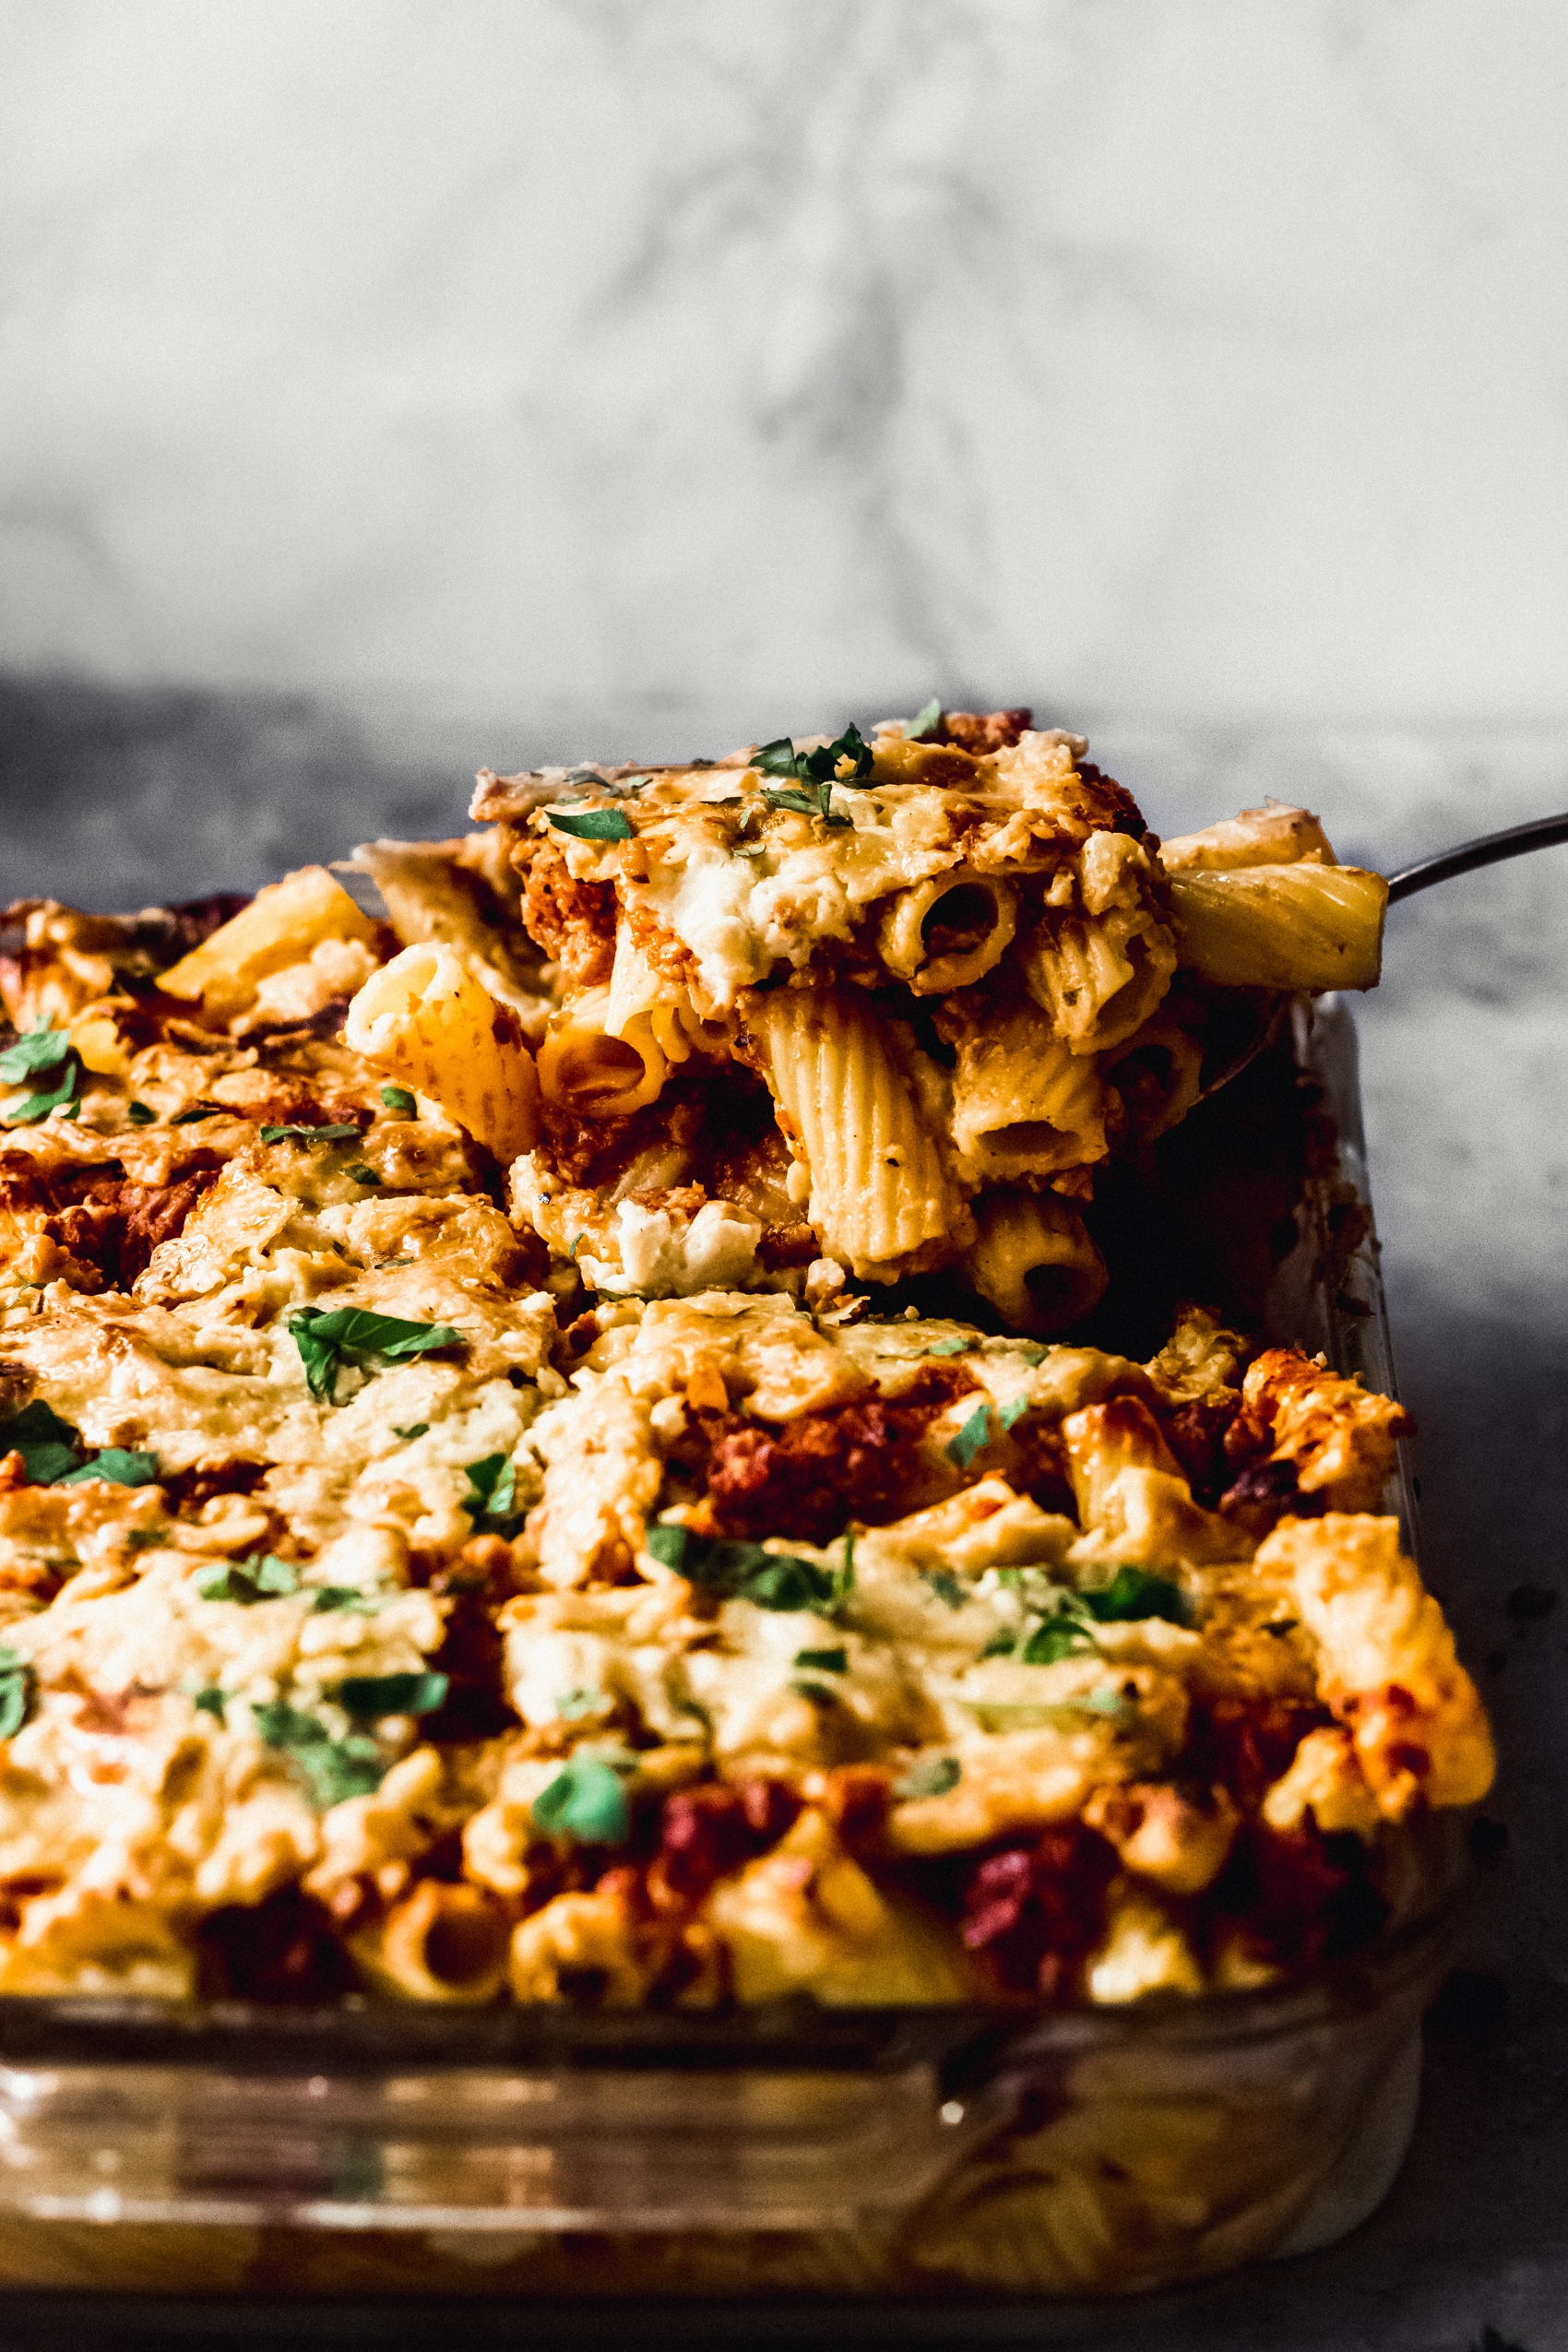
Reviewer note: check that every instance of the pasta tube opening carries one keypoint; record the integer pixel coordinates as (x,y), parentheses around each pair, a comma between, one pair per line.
(590,1075)
(947,932)
(1024,1104)
(442,1943)
(424,1018)
(1035,1262)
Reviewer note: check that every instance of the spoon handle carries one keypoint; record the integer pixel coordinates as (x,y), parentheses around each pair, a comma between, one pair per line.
(1540,834)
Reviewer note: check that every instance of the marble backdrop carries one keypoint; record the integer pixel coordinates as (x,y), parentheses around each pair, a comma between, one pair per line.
(1198,356)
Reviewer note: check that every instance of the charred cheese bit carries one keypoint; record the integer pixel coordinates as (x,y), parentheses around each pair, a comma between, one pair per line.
(1339,1436)
(1387,1662)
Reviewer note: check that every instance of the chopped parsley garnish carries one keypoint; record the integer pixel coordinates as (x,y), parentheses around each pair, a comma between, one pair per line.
(366,1696)
(338,1133)
(586,1801)
(121,1464)
(261,1577)
(38,1105)
(933,1778)
(746,1571)
(210,1702)
(817,770)
(1068,1627)
(351,1335)
(971,1439)
(415,1429)
(490,1498)
(958,1347)
(399,1100)
(48,1446)
(198,1110)
(345,1597)
(16,1693)
(141,1114)
(946,1586)
(593,824)
(332,1769)
(1013,1411)
(824,1661)
(52,1451)
(35,1050)
(925,721)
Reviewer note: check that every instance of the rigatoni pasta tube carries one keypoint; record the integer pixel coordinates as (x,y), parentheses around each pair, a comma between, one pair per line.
(1155,1076)
(1304,926)
(280,927)
(881,1197)
(424,1018)
(591,1074)
(1035,1262)
(1023,1103)
(947,932)
(442,1943)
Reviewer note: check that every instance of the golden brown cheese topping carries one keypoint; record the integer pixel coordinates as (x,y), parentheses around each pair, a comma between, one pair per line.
(464,1532)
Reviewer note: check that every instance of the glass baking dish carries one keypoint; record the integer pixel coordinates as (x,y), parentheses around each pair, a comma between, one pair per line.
(516,2151)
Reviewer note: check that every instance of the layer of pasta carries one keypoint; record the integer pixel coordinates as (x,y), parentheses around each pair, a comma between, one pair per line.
(472,1527)
(964,928)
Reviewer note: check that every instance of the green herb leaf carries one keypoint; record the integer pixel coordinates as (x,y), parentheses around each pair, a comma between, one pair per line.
(340,1133)
(326,1339)
(35,1050)
(366,1696)
(1013,1411)
(398,1099)
(48,1446)
(1058,1637)
(744,1570)
(971,1439)
(38,1105)
(344,1597)
(208,1702)
(415,1429)
(261,1577)
(141,1114)
(1033,1355)
(490,1498)
(362,1173)
(1133,1593)
(933,1778)
(925,721)
(946,1586)
(332,1769)
(959,1347)
(16,1693)
(824,1661)
(803,804)
(198,1110)
(594,825)
(122,1465)
(586,1802)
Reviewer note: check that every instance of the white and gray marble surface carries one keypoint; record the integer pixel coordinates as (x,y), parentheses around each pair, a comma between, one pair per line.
(1194,355)
(110,799)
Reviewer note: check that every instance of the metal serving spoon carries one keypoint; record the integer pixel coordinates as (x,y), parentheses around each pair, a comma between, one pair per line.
(1488,849)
